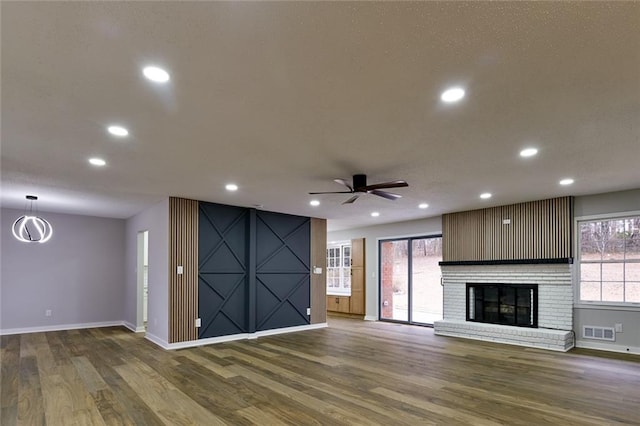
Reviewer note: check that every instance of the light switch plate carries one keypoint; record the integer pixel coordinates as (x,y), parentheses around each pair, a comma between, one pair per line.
(180,270)
(308,311)
(317,270)
(198,322)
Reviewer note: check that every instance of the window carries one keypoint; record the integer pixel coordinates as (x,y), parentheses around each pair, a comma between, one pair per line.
(339,269)
(609,260)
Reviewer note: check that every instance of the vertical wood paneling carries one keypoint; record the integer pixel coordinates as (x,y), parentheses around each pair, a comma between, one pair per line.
(319,281)
(538,230)
(183,251)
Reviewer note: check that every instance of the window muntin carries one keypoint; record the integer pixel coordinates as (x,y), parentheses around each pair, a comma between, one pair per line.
(609,260)
(339,269)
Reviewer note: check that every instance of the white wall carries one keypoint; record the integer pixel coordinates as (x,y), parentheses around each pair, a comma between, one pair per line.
(603,316)
(78,274)
(422,227)
(154,219)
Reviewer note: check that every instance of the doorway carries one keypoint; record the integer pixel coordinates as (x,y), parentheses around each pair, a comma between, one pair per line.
(410,288)
(142,269)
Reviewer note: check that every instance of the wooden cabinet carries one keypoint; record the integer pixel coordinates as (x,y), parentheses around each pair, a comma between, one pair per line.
(357,277)
(357,253)
(356,305)
(339,304)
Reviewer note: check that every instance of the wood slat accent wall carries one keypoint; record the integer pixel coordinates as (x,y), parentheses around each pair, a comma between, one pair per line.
(319,281)
(538,230)
(183,251)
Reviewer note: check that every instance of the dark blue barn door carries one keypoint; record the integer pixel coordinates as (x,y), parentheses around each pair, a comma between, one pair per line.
(222,270)
(282,270)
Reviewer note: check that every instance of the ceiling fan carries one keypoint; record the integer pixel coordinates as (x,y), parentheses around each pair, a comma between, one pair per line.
(359,186)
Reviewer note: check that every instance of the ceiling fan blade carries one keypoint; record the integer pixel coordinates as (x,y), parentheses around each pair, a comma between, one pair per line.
(384,194)
(351,200)
(385,185)
(344,182)
(332,192)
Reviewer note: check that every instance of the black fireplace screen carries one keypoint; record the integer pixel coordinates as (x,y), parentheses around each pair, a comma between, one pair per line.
(506,304)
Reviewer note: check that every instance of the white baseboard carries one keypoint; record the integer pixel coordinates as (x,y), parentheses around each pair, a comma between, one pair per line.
(232,337)
(158,341)
(133,328)
(295,329)
(370,318)
(208,341)
(608,347)
(60,327)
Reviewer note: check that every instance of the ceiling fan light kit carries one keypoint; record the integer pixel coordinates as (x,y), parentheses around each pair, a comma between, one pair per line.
(359,186)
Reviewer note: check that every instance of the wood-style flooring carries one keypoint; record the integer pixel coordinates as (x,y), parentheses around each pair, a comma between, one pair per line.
(352,373)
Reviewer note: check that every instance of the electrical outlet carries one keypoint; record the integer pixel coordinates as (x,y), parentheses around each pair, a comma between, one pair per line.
(308,311)
(180,270)
(198,322)
(48,313)
(618,328)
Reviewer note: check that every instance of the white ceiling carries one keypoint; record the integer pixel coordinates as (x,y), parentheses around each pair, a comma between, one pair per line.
(283,97)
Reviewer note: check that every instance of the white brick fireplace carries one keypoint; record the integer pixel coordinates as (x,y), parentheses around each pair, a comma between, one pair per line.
(555,304)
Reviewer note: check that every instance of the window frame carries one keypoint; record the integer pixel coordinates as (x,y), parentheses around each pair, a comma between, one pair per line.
(343,271)
(599,304)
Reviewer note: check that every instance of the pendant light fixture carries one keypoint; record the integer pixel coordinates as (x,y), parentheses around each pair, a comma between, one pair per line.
(31,228)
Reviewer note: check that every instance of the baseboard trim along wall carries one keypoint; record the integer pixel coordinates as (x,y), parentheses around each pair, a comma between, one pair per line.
(232,337)
(370,318)
(607,347)
(61,327)
(139,329)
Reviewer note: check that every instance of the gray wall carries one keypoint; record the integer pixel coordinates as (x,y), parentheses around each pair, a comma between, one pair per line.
(78,274)
(610,202)
(155,219)
(429,226)
(602,316)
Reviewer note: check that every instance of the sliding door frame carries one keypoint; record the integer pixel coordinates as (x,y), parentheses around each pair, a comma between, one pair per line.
(409,240)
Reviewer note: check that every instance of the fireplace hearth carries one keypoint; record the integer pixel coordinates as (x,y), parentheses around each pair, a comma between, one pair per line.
(504,304)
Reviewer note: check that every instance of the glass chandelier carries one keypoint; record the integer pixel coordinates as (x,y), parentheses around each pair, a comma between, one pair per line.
(31,228)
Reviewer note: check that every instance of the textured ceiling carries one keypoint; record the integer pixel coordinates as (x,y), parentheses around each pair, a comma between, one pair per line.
(281,98)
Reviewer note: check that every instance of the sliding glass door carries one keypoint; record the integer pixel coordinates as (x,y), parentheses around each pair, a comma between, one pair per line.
(410,289)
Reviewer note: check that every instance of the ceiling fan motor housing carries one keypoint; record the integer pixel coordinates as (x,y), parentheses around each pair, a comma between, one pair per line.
(359,181)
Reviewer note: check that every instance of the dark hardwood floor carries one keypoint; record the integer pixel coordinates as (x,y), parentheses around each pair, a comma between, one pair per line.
(353,372)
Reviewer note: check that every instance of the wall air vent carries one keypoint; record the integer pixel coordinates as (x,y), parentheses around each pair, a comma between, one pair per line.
(599,333)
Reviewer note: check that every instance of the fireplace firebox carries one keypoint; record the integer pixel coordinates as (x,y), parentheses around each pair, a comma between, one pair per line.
(505,304)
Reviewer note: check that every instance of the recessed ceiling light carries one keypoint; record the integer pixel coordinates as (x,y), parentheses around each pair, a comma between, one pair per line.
(567,181)
(375,214)
(314,203)
(231,187)
(99,162)
(485,195)
(454,94)
(118,131)
(423,206)
(156,74)
(528,152)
